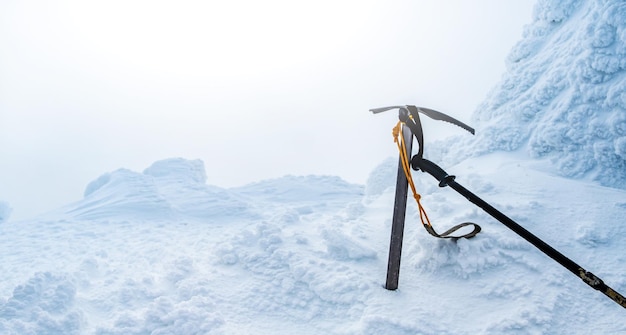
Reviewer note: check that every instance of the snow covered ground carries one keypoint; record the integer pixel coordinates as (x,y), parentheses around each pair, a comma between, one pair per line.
(160,252)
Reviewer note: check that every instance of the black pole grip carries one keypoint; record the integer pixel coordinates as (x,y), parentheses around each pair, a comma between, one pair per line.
(433,169)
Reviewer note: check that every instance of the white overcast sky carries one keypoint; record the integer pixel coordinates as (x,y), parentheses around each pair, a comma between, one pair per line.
(256,89)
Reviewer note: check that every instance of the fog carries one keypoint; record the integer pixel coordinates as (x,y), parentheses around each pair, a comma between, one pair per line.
(255,90)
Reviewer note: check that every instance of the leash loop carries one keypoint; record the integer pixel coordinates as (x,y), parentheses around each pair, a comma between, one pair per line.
(396,131)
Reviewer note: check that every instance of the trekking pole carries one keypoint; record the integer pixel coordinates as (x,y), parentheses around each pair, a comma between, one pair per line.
(447,180)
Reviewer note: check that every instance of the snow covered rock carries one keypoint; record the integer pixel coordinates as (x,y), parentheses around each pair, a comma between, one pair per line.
(563,97)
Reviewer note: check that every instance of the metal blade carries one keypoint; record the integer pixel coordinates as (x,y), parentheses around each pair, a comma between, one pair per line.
(433,114)
(384,109)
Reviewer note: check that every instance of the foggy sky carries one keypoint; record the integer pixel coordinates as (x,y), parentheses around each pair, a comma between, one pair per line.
(256,90)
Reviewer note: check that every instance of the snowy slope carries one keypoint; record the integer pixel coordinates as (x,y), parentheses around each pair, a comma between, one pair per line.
(278,269)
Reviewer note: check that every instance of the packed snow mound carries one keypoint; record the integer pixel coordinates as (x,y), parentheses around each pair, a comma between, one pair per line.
(563,96)
(313,190)
(176,188)
(178,170)
(169,188)
(5,211)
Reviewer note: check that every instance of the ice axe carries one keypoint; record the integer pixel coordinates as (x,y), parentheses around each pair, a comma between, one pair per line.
(409,115)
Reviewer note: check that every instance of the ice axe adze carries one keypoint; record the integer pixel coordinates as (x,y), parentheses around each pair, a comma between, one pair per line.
(410,116)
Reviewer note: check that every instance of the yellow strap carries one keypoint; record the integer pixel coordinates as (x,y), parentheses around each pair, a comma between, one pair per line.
(397,133)
(404,159)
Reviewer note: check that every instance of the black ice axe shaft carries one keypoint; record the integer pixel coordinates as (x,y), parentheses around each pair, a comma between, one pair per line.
(410,116)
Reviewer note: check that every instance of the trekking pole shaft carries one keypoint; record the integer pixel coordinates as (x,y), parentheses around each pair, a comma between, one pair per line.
(519,230)
(586,276)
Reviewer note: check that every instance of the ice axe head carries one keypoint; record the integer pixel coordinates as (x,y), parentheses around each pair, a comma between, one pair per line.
(409,114)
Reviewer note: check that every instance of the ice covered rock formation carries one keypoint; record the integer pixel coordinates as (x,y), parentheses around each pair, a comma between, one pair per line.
(563,96)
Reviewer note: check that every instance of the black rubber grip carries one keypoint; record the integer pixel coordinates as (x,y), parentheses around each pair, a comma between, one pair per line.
(433,169)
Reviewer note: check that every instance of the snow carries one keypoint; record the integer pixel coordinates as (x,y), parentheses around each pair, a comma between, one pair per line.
(563,97)
(164,252)
(167,189)
(308,255)
(5,211)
